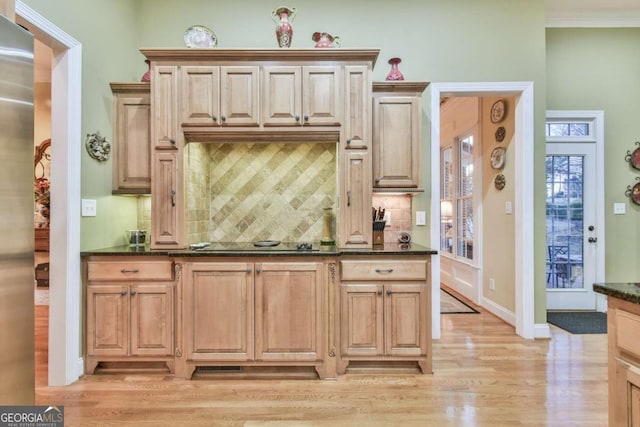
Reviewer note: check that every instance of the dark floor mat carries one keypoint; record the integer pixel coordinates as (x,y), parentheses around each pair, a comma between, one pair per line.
(579,322)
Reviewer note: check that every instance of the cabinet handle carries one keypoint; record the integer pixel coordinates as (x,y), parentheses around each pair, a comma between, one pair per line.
(306,118)
(387,271)
(379,292)
(223,118)
(123,292)
(349,198)
(173,197)
(389,292)
(124,270)
(173,141)
(133,292)
(258,270)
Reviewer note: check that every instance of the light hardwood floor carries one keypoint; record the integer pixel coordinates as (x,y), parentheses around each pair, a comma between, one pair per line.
(484,375)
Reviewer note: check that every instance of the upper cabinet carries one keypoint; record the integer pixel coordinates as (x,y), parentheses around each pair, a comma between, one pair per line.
(397,135)
(301,95)
(219,96)
(131,137)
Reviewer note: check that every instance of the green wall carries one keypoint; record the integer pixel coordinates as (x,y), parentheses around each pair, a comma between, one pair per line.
(438,41)
(599,69)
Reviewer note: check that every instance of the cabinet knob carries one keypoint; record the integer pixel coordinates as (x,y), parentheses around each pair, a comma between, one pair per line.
(377,181)
(389,292)
(133,292)
(297,118)
(215,119)
(379,292)
(173,141)
(123,292)
(306,118)
(349,141)
(223,118)
(258,270)
(249,270)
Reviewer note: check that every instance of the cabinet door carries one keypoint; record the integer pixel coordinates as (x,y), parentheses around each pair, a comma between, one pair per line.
(107,320)
(321,100)
(239,96)
(396,141)
(164,107)
(200,95)
(132,143)
(357,114)
(282,96)
(361,320)
(355,200)
(151,320)
(626,411)
(218,311)
(289,311)
(167,201)
(405,312)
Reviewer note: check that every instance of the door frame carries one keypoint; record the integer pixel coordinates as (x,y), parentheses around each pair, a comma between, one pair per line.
(597,118)
(523,208)
(66,364)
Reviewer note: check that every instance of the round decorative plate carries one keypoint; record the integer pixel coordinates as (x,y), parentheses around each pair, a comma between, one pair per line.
(634,192)
(634,158)
(498,110)
(497,158)
(500,134)
(499,181)
(199,36)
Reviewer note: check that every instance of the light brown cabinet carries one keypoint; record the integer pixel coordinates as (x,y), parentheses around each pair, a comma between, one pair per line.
(385,311)
(167,225)
(129,312)
(355,202)
(131,138)
(219,96)
(397,134)
(301,95)
(246,314)
(623,329)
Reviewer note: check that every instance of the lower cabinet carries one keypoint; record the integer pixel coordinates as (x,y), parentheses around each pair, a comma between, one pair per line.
(623,329)
(129,319)
(385,312)
(262,313)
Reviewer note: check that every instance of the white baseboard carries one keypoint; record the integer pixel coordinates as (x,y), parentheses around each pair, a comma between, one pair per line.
(498,310)
(541,331)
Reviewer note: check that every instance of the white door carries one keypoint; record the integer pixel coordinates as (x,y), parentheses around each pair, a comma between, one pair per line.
(572,224)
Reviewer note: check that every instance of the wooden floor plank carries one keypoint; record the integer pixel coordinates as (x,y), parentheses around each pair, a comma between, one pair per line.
(484,375)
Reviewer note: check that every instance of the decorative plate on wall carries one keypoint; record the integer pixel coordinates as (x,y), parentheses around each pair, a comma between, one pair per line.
(499,181)
(200,36)
(500,134)
(497,158)
(634,158)
(498,110)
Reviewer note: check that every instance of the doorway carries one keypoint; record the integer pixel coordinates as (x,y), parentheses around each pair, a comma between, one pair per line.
(574,210)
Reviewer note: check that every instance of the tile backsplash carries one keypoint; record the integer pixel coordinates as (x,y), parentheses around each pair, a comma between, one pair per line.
(243,192)
(399,208)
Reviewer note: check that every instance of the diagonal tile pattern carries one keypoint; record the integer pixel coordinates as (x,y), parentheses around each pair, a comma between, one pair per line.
(253,191)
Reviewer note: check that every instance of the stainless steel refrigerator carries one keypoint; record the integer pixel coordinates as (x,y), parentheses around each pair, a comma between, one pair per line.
(17,385)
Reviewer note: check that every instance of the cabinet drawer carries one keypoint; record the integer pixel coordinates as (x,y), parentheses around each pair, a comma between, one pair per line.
(628,331)
(381,269)
(130,270)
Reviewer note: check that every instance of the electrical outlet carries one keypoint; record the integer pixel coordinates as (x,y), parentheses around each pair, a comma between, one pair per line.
(421,218)
(89,207)
(492,284)
(387,218)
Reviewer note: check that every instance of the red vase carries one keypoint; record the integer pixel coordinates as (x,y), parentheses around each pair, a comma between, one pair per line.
(395,73)
(146,77)
(283,16)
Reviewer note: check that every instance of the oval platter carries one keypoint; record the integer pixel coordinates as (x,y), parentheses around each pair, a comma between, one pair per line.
(200,37)
(634,157)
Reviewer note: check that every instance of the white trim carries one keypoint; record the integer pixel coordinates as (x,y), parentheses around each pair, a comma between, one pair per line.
(597,136)
(65,284)
(559,21)
(499,311)
(524,181)
(541,331)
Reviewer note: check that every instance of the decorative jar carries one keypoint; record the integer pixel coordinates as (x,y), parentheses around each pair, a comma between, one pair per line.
(395,73)
(283,16)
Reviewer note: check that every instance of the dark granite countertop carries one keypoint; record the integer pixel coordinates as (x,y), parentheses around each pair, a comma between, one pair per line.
(235,249)
(624,291)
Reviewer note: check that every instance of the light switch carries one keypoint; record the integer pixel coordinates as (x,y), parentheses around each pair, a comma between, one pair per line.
(619,208)
(88,207)
(507,208)
(421,218)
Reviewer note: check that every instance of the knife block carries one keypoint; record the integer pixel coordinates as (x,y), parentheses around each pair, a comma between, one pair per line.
(378,232)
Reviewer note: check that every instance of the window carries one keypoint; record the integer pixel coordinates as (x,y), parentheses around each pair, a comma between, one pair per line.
(456,202)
